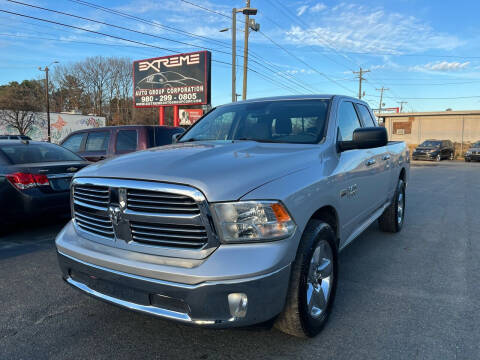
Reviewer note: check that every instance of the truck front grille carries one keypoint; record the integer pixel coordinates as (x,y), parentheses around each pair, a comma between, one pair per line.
(139,215)
(189,236)
(160,202)
(92,195)
(93,222)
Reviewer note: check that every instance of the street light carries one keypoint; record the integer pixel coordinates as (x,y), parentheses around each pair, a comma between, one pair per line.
(46,69)
(247,11)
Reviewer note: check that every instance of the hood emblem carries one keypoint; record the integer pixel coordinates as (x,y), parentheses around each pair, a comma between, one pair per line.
(115,214)
(72,169)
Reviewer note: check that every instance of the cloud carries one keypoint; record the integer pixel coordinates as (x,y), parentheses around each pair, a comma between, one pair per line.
(299,71)
(358,28)
(312,9)
(318,7)
(441,66)
(301,10)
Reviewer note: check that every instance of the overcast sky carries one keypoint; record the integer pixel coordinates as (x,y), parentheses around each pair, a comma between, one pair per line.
(426,52)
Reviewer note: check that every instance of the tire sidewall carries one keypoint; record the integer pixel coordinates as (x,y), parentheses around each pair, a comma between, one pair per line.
(310,325)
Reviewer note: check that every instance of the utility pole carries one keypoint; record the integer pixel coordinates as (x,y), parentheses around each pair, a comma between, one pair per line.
(255,27)
(47,97)
(360,79)
(401,104)
(381,97)
(234,55)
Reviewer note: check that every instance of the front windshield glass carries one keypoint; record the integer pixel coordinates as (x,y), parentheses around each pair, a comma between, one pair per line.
(288,121)
(431,143)
(475,145)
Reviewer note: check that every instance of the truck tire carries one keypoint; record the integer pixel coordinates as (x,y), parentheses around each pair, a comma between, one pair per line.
(313,282)
(393,217)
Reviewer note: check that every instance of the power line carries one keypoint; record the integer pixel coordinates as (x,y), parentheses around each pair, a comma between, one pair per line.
(127,40)
(143,33)
(206,9)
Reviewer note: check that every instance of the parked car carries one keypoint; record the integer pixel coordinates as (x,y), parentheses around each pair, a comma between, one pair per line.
(473,153)
(242,220)
(434,150)
(35,179)
(102,143)
(14,137)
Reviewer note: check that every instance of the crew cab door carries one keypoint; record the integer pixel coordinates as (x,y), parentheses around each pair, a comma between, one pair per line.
(378,163)
(353,183)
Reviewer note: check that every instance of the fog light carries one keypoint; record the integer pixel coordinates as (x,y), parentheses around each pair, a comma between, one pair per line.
(238,304)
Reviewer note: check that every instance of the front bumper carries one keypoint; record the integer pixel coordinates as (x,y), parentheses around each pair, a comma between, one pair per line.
(190,291)
(424,156)
(473,157)
(204,304)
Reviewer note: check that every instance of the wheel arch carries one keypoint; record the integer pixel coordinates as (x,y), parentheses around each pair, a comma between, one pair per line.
(328,214)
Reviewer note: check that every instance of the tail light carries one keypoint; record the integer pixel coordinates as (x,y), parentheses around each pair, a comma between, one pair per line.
(23,181)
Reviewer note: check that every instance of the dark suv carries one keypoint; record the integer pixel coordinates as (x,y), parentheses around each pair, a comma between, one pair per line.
(473,153)
(434,150)
(101,143)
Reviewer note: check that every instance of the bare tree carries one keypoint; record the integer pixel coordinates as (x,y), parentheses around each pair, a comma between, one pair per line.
(19,102)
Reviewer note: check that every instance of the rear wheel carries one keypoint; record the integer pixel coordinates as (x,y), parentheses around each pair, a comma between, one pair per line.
(313,282)
(393,217)
(452,156)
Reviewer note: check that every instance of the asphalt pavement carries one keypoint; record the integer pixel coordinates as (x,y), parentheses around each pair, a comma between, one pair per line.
(412,295)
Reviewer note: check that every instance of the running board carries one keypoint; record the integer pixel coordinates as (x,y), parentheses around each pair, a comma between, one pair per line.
(365,225)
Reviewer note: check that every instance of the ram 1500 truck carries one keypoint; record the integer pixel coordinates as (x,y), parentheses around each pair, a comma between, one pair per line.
(241,220)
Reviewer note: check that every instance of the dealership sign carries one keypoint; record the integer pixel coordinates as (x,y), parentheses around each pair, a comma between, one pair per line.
(182,79)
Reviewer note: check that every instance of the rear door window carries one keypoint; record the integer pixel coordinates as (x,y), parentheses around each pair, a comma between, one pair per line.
(74,142)
(365,115)
(126,141)
(97,141)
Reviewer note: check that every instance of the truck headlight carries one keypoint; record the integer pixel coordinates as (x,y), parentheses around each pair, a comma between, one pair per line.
(469,152)
(245,221)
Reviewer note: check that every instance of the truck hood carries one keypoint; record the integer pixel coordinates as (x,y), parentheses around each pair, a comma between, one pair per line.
(222,170)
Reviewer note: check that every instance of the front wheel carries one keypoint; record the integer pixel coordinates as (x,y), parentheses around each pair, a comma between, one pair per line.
(313,282)
(438,158)
(452,156)
(394,215)
(467,160)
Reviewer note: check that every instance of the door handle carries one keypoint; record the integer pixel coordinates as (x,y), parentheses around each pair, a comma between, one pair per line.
(371,162)
(386,157)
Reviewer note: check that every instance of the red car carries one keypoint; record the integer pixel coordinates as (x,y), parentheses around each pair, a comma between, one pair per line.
(102,143)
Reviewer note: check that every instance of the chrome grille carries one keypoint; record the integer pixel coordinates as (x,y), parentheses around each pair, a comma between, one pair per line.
(143,216)
(93,222)
(190,236)
(160,202)
(92,195)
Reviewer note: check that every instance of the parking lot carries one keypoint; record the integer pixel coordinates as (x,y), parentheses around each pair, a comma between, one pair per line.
(412,295)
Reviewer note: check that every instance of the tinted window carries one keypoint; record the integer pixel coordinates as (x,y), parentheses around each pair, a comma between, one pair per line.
(126,140)
(289,121)
(74,142)
(36,153)
(97,141)
(347,121)
(430,143)
(366,116)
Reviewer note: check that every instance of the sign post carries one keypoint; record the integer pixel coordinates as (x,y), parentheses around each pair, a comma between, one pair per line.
(161,115)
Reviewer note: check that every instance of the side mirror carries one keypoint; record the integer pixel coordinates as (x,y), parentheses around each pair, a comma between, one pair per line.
(175,137)
(365,138)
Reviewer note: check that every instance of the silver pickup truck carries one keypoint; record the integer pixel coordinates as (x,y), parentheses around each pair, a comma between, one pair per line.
(241,220)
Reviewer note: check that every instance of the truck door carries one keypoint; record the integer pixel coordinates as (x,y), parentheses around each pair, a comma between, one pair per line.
(378,163)
(352,181)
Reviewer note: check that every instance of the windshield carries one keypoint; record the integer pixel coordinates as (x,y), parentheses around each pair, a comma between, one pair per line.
(475,145)
(37,153)
(289,121)
(429,143)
